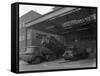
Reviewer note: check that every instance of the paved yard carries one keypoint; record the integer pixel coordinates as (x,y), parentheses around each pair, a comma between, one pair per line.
(57,64)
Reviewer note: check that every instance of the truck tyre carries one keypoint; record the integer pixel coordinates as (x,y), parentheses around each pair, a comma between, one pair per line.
(36,61)
(50,57)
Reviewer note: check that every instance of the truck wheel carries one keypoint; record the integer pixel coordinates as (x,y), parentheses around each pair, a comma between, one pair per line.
(50,57)
(36,61)
(68,55)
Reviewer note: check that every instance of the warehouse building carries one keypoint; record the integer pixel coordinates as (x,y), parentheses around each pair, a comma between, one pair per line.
(77,24)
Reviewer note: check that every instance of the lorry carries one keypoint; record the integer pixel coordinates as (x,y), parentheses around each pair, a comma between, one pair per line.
(75,53)
(32,55)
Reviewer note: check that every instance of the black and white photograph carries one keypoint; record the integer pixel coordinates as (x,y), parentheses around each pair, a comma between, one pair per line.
(56,37)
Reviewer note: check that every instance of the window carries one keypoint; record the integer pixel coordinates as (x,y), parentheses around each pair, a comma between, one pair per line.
(40,36)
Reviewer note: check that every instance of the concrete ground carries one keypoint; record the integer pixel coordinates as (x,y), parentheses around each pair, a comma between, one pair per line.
(57,64)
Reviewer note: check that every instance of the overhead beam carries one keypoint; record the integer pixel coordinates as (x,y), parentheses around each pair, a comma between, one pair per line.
(51,15)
